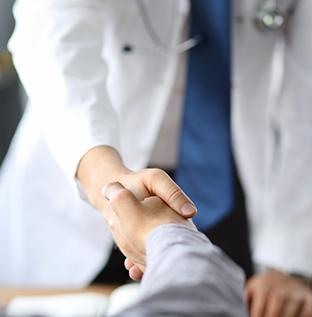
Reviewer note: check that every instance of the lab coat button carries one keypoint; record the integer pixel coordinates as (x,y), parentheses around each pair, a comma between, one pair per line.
(127,48)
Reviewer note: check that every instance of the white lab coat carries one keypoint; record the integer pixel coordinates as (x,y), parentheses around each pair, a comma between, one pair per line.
(85,91)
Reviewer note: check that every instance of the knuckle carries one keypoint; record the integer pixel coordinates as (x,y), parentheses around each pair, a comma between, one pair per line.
(174,194)
(121,196)
(249,287)
(255,282)
(156,173)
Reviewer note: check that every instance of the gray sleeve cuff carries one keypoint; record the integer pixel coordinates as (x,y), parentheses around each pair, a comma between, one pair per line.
(168,234)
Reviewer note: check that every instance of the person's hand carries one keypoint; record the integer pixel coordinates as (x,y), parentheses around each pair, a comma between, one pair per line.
(131,221)
(276,294)
(155,182)
(102,165)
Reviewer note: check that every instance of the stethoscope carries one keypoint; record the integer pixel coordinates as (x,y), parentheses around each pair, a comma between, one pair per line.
(270,16)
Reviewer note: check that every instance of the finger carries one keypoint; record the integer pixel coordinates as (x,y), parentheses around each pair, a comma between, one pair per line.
(275,304)
(122,201)
(248,295)
(128,264)
(135,273)
(307,308)
(292,308)
(257,303)
(160,184)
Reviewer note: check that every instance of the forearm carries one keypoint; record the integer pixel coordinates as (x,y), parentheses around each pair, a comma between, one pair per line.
(186,275)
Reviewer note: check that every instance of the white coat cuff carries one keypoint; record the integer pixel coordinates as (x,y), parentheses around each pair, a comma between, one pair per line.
(285,250)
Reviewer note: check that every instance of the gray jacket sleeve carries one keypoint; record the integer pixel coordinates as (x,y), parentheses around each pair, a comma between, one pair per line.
(187,276)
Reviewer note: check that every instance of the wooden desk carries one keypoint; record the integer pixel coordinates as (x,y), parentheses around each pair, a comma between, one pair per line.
(7,294)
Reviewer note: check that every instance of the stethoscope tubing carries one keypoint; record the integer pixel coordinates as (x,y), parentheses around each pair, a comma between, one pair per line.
(269,17)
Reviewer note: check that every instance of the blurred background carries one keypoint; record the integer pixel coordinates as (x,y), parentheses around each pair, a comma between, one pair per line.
(11,95)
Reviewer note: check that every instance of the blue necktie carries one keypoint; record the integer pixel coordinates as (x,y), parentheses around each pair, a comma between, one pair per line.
(205,168)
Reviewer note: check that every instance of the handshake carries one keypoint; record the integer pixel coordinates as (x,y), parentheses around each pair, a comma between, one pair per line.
(133,203)
(131,222)
(184,274)
(139,206)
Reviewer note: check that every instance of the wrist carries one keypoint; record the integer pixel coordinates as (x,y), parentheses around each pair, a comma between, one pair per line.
(307,281)
(99,166)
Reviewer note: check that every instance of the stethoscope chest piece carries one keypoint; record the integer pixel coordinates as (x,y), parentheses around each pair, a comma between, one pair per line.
(270,19)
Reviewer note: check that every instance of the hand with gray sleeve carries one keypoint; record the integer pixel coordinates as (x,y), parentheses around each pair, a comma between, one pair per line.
(184,274)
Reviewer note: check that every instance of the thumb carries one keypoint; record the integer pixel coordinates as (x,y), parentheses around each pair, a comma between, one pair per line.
(122,201)
(160,184)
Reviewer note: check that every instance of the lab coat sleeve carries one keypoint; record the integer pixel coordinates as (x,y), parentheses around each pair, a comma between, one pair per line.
(6,23)
(57,48)
(287,242)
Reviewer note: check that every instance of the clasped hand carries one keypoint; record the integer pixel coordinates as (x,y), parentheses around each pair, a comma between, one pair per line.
(131,222)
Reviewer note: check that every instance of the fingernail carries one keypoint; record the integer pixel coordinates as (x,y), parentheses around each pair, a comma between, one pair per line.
(104,190)
(188,209)
(111,190)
